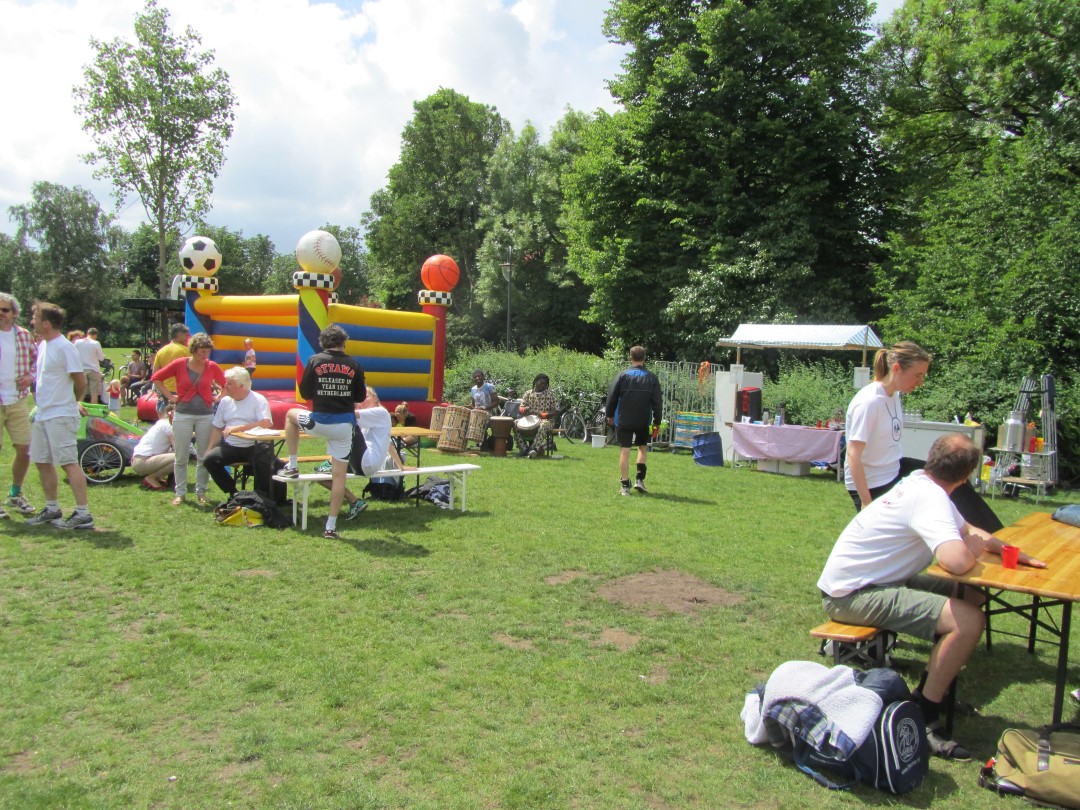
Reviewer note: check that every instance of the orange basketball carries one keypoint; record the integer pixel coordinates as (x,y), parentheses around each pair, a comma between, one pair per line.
(440,273)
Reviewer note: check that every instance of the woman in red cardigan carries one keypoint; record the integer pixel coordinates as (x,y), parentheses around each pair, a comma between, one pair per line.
(194,399)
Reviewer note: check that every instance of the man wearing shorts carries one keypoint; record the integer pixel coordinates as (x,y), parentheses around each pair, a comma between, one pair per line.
(633,397)
(334,384)
(60,385)
(18,359)
(873,575)
(92,357)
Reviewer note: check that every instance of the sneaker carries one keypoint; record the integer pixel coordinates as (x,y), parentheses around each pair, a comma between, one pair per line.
(532,454)
(76,521)
(46,515)
(1075,695)
(21,504)
(355,509)
(289,472)
(639,485)
(331,534)
(625,489)
(326,468)
(942,746)
(3,514)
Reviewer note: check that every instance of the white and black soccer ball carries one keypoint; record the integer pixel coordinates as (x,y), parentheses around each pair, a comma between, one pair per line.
(200,256)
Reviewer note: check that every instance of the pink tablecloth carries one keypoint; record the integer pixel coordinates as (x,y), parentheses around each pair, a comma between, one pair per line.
(785,443)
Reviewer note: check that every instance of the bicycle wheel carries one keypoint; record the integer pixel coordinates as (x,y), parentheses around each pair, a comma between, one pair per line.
(101,462)
(573,426)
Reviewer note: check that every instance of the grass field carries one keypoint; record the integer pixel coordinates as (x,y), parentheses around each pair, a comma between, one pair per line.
(429,659)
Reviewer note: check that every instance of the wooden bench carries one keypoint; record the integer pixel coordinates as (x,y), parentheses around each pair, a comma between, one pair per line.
(852,642)
(241,470)
(455,473)
(303,484)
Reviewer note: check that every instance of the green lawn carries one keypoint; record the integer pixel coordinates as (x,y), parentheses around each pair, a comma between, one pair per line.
(431,659)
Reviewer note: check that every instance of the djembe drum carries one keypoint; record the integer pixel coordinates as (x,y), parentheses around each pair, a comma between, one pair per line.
(454,429)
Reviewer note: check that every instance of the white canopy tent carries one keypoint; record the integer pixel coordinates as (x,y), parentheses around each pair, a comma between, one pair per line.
(820,337)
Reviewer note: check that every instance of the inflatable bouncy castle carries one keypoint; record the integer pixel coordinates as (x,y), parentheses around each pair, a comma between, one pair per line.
(402,353)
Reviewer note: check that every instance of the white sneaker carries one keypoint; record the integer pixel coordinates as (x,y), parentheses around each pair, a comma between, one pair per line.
(289,472)
(20,504)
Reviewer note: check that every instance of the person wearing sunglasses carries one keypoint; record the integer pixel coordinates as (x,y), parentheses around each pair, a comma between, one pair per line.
(18,364)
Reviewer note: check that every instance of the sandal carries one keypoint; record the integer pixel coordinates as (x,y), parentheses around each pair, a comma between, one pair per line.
(179,499)
(942,746)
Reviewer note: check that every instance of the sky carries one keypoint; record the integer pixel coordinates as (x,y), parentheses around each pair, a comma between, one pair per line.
(324,89)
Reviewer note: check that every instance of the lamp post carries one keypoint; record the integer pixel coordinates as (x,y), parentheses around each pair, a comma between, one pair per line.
(508,274)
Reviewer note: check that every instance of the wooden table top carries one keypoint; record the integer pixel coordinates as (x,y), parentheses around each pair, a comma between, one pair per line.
(1055,543)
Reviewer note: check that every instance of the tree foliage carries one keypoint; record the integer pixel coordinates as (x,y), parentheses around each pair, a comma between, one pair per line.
(160,116)
(431,203)
(743,145)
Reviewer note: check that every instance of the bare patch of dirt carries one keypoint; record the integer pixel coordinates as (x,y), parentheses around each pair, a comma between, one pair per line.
(515,643)
(564,577)
(657,675)
(619,639)
(257,572)
(21,764)
(358,742)
(673,591)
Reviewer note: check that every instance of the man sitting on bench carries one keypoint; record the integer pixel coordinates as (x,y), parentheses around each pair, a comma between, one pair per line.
(239,410)
(873,575)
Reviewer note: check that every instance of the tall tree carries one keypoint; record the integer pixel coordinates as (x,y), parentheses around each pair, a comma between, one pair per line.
(160,116)
(742,163)
(522,211)
(431,203)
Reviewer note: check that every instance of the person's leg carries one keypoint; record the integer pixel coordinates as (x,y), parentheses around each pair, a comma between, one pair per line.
(292,436)
(49,481)
(960,627)
(17,425)
(215,461)
(642,457)
(93,386)
(204,427)
(183,430)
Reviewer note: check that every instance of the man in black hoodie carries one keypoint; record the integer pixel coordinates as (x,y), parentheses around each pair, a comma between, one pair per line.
(334,384)
(633,397)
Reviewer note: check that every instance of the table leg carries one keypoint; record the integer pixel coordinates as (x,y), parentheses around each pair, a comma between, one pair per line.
(1063,661)
(1034,626)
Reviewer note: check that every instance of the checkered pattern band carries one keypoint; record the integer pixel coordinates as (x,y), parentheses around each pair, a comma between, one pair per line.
(199,283)
(332,299)
(435,297)
(313,281)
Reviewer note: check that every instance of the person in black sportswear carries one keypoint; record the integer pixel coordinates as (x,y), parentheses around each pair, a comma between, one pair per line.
(334,384)
(632,399)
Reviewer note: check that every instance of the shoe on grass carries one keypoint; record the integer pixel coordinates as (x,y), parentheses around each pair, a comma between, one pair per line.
(3,514)
(625,490)
(355,508)
(639,485)
(331,534)
(942,746)
(20,504)
(289,472)
(46,515)
(76,521)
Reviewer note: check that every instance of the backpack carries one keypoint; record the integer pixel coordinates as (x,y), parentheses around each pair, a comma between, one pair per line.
(385,487)
(254,502)
(434,489)
(894,757)
(1043,766)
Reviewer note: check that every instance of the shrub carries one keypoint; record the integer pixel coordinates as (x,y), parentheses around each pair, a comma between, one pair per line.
(809,391)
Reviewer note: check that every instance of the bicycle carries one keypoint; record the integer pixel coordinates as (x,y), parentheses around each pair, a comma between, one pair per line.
(586,417)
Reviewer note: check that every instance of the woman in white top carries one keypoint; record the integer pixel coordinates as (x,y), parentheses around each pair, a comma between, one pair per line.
(875,422)
(153,456)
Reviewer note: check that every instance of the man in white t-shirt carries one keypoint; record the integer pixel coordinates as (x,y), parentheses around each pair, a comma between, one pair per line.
(92,357)
(873,575)
(239,410)
(58,391)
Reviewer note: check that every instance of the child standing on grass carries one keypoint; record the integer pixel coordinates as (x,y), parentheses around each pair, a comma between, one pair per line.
(249,356)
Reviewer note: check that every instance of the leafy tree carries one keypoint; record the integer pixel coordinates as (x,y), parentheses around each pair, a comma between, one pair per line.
(744,144)
(70,265)
(431,203)
(160,116)
(523,211)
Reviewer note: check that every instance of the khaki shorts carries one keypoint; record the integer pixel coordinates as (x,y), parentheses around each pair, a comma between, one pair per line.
(911,607)
(15,418)
(53,441)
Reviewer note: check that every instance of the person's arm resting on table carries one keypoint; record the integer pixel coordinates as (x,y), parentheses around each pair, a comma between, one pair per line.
(993,545)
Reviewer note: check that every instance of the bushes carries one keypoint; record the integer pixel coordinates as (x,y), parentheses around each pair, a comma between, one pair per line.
(809,391)
(569,371)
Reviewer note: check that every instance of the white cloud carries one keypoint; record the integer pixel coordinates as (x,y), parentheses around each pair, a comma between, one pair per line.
(324,90)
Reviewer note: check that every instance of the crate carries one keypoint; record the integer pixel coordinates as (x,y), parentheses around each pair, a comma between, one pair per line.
(687,426)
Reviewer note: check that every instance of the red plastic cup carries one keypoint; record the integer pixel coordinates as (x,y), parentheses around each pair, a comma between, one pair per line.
(1010,556)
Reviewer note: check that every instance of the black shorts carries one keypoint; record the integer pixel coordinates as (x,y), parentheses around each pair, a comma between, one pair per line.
(633,437)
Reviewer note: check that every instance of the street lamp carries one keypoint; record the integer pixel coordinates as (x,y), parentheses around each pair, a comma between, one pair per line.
(508,274)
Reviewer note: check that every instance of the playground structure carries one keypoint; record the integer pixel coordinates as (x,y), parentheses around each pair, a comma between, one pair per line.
(402,353)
